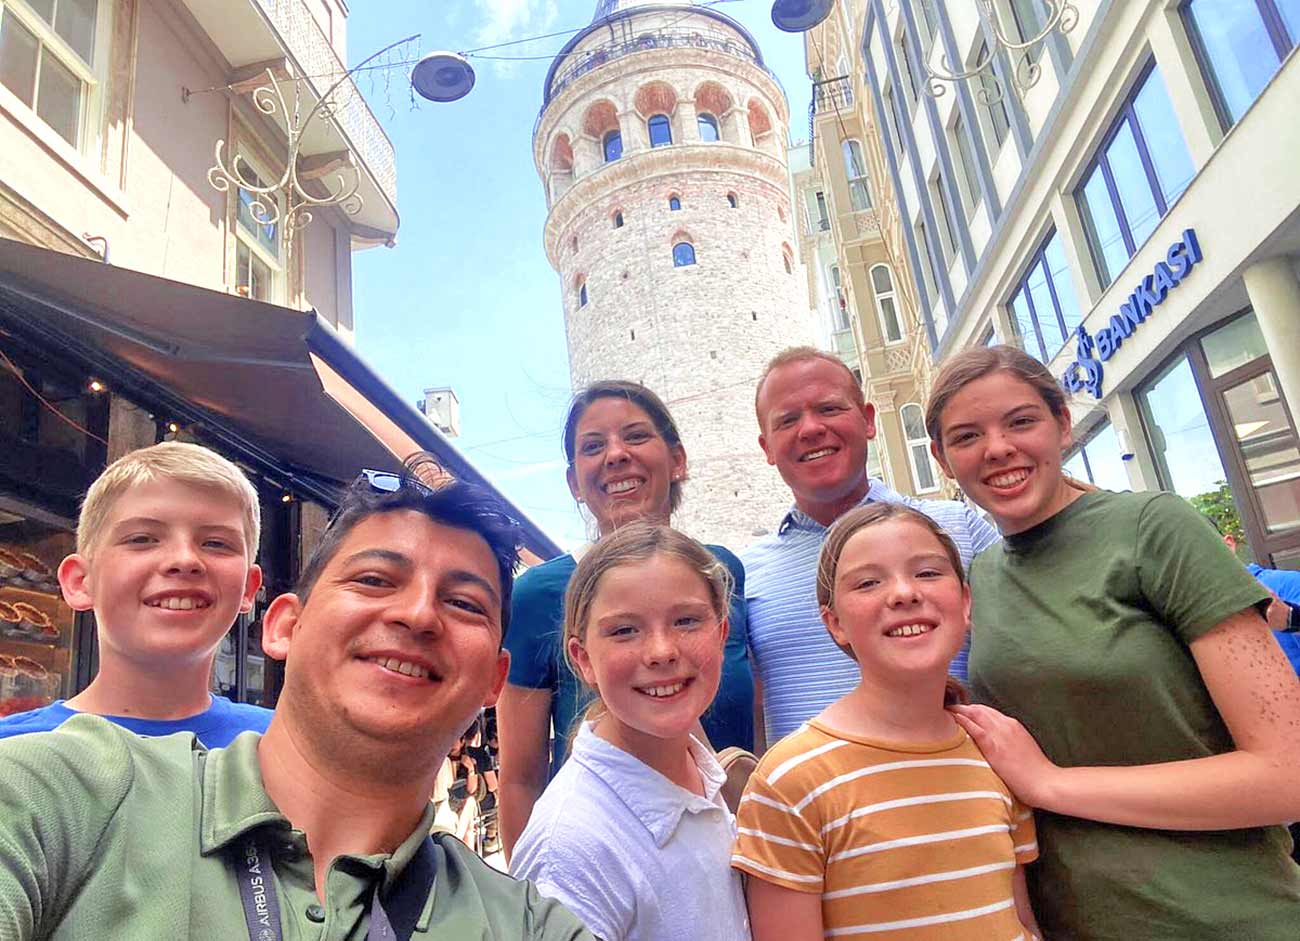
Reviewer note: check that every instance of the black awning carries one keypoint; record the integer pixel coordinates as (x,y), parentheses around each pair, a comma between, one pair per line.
(279,384)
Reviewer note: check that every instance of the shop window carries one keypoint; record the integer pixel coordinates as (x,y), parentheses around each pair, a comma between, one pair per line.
(1178,431)
(855,168)
(732,200)
(612,144)
(258,269)
(661,132)
(882,285)
(918,448)
(683,254)
(990,107)
(1044,307)
(674,203)
(1099,460)
(708,126)
(1140,169)
(1240,45)
(48,60)
(960,146)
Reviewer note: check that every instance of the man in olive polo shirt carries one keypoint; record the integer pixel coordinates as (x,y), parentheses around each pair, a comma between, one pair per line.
(317,829)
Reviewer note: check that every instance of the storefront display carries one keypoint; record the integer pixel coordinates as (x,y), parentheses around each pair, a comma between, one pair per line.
(36,626)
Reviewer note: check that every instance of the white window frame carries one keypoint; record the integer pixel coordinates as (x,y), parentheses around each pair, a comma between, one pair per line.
(90,120)
(278,293)
(880,296)
(923,442)
(859,182)
(959,146)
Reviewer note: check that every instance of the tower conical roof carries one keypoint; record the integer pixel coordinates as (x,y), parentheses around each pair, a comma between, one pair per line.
(606,8)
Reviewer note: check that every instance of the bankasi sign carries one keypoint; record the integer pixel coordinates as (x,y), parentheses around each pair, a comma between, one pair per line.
(1091,351)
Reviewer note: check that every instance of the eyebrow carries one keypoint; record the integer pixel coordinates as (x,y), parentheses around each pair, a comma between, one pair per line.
(1005,415)
(133,521)
(455,577)
(379,555)
(461,576)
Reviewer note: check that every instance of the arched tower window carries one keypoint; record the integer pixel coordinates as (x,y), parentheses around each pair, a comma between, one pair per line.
(661,132)
(732,200)
(613,144)
(788,258)
(618,219)
(683,254)
(582,291)
(918,448)
(674,202)
(708,128)
(882,285)
(855,168)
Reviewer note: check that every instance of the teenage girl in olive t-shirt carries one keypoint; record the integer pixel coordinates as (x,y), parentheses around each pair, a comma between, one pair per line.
(1131,644)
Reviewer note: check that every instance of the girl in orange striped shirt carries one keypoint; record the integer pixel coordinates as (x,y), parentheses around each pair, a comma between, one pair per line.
(880,818)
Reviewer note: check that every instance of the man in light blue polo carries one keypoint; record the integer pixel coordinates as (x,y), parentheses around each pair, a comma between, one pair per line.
(814,425)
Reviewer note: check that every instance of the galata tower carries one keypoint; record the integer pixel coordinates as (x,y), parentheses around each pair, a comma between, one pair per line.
(661,143)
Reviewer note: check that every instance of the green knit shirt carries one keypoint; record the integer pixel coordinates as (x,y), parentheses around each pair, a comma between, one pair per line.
(108,835)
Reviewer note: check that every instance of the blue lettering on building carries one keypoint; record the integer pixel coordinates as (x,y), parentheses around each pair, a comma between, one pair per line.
(1086,371)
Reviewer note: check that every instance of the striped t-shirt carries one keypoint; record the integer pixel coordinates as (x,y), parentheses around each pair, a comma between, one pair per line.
(901,842)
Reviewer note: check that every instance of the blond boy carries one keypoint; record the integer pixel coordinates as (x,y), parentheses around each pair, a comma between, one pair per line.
(165,549)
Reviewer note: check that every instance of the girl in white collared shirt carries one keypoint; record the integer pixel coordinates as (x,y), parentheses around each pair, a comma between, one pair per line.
(632,835)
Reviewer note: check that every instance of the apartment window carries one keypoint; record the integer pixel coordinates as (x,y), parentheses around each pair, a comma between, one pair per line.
(909,71)
(1099,460)
(47,59)
(927,264)
(924,23)
(1025,15)
(988,97)
(1044,308)
(708,125)
(683,254)
(855,168)
(661,132)
(989,337)
(1241,44)
(948,226)
(918,448)
(1141,167)
(257,240)
(968,178)
(882,285)
(613,146)
(674,203)
(840,313)
(891,121)
(823,214)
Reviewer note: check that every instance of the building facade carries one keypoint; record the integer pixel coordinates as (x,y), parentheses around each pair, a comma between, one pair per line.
(662,144)
(1118,198)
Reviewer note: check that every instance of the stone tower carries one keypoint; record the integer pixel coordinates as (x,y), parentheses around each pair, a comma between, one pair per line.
(661,143)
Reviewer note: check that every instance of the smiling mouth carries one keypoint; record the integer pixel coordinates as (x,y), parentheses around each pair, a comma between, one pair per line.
(815,455)
(402,667)
(1008,479)
(910,630)
(623,486)
(664,691)
(180,603)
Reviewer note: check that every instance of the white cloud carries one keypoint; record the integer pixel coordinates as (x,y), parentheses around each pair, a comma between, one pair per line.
(506,20)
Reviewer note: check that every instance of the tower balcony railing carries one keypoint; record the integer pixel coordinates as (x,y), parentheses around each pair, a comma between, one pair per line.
(593,57)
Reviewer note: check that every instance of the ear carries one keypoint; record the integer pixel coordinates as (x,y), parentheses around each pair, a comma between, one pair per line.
(942,461)
(582,660)
(499,679)
(74,573)
(762,443)
(832,622)
(572,479)
(251,585)
(966,604)
(869,416)
(1066,425)
(279,624)
(677,456)
(725,632)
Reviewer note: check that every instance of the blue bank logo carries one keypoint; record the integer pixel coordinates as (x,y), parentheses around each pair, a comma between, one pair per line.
(1086,371)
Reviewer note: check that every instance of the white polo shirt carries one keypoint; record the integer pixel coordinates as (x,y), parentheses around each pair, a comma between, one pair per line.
(633,855)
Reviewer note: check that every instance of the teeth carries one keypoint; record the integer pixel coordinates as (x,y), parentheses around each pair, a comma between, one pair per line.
(816,454)
(658,691)
(909,630)
(1009,479)
(403,667)
(622,486)
(179,604)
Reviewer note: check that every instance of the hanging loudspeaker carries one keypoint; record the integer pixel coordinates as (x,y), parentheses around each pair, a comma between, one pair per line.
(796,16)
(443,76)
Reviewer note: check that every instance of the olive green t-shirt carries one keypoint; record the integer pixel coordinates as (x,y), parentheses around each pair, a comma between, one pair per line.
(1081,631)
(105,835)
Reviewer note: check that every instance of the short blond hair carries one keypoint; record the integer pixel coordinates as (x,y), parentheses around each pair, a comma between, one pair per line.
(803,354)
(171,460)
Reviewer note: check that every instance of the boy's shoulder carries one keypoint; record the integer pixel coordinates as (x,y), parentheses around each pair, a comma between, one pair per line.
(44,719)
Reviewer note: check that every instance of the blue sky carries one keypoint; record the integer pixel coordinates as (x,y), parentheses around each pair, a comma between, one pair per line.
(467,298)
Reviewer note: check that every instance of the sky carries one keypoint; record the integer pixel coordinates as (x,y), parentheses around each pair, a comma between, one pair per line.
(467,298)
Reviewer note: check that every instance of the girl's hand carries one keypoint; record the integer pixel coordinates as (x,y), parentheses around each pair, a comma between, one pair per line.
(1010,750)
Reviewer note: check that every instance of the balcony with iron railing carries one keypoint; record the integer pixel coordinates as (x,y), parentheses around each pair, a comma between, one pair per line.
(829,95)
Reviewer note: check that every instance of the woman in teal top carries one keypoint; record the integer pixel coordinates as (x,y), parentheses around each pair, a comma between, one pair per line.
(626,462)
(1130,645)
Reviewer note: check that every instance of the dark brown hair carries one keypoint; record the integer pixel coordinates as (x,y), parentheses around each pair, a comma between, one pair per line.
(852,523)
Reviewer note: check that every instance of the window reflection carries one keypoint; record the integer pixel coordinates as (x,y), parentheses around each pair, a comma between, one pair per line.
(1178,430)
(1268,447)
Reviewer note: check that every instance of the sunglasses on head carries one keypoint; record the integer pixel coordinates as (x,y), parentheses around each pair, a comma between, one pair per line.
(388,482)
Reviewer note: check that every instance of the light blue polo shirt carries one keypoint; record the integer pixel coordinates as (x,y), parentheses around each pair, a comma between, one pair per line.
(801,669)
